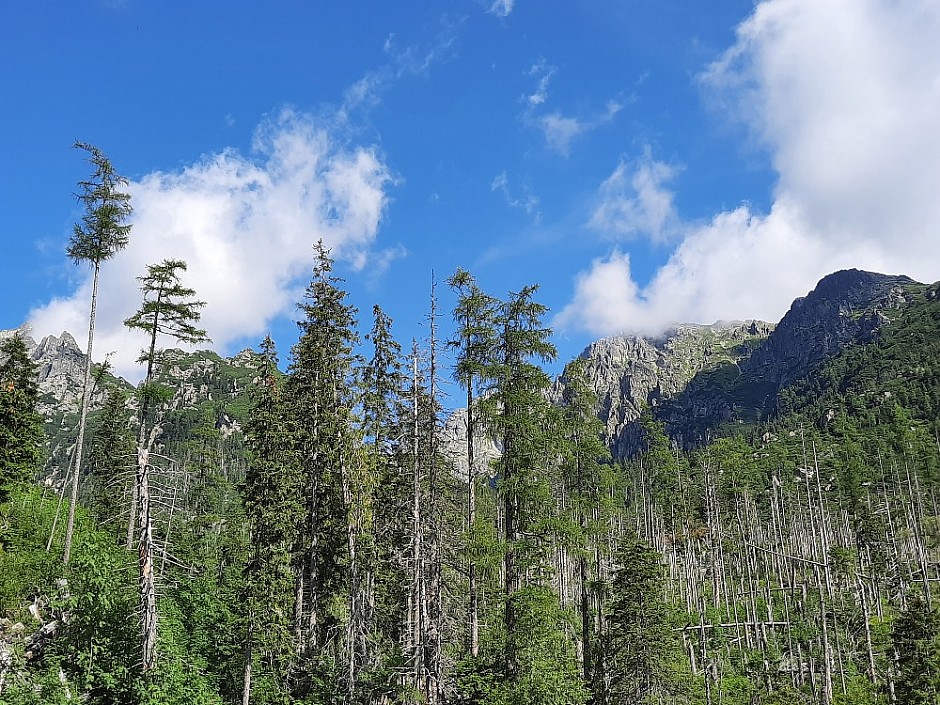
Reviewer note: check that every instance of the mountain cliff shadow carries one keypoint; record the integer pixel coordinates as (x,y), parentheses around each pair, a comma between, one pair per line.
(717,400)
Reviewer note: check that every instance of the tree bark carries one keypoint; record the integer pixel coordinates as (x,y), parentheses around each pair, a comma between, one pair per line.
(86,401)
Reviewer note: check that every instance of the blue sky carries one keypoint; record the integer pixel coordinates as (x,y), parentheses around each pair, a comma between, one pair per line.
(646,163)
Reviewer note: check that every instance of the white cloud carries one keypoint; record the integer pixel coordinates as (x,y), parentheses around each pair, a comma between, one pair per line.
(544,71)
(501,8)
(638,203)
(561,130)
(414,60)
(529,202)
(245,226)
(845,96)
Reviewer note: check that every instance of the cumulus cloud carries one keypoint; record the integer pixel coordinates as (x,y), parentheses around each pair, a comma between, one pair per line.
(245,225)
(637,203)
(845,96)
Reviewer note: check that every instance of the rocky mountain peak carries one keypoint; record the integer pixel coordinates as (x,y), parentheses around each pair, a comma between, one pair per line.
(60,369)
(630,373)
(845,306)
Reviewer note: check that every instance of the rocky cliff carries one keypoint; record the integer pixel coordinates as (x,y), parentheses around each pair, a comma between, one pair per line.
(845,307)
(631,374)
(60,371)
(698,379)
(203,384)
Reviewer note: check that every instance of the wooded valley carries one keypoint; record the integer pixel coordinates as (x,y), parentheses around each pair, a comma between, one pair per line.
(314,535)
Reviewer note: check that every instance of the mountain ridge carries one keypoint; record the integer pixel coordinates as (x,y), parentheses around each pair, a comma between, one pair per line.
(695,378)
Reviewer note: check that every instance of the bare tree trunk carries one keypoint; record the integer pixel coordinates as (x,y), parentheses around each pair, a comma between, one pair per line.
(473,597)
(435,585)
(132,519)
(86,401)
(418,599)
(148,588)
(354,622)
(249,654)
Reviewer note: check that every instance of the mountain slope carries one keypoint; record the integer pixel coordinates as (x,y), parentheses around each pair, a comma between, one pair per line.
(703,381)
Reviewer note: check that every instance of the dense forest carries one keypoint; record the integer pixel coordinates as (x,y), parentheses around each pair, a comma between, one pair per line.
(324,544)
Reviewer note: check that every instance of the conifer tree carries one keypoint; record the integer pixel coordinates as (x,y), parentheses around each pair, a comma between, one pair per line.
(639,647)
(474,345)
(271,498)
(102,233)
(519,414)
(21,432)
(112,446)
(916,638)
(168,308)
(321,397)
(382,415)
(591,481)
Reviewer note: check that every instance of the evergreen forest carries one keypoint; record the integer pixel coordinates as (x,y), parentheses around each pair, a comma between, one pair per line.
(318,538)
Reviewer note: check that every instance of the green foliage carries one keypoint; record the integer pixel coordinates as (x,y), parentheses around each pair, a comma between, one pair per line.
(21,434)
(103,230)
(271,499)
(320,413)
(26,568)
(110,454)
(640,649)
(168,307)
(100,636)
(541,664)
(916,639)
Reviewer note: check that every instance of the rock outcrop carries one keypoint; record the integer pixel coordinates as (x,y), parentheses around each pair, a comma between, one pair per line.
(630,374)
(60,370)
(845,307)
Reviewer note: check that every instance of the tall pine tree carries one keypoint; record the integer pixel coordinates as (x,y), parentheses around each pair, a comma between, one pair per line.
(168,308)
(272,502)
(102,233)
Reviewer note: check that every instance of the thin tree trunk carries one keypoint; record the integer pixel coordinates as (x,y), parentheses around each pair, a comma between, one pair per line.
(145,547)
(249,654)
(435,592)
(473,606)
(148,589)
(86,401)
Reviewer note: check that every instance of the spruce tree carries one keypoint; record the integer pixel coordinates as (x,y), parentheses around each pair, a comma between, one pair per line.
(101,234)
(271,499)
(591,481)
(517,411)
(112,447)
(916,639)
(635,664)
(320,390)
(383,412)
(21,432)
(474,346)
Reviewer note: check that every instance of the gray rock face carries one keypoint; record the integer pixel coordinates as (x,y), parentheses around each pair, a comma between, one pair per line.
(60,370)
(631,373)
(846,306)
(700,377)
(453,440)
